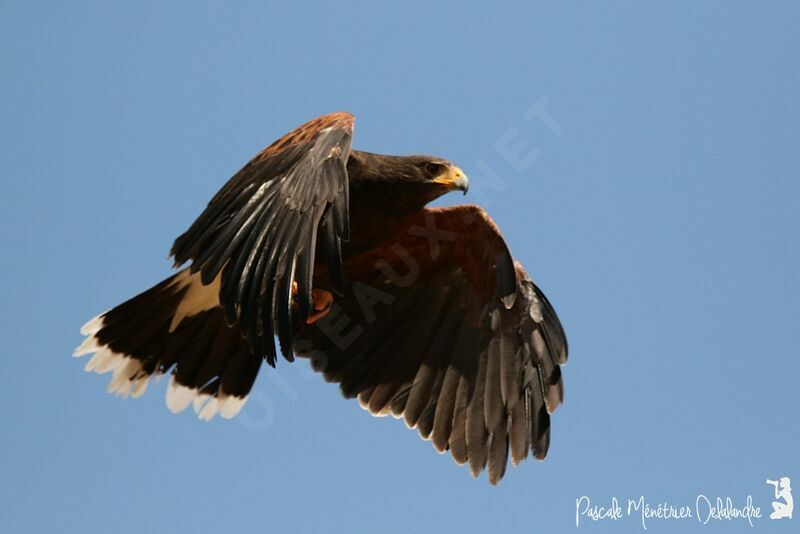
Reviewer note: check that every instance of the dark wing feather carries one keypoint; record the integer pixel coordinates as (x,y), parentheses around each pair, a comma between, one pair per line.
(468,354)
(260,230)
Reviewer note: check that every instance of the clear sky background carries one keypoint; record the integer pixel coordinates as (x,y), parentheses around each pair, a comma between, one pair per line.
(661,217)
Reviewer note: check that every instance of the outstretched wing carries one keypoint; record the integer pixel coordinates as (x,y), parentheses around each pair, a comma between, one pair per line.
(260,230)
(444,330)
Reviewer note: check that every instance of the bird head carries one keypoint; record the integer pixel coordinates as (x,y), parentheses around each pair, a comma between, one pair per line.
(413,180)
(437,173)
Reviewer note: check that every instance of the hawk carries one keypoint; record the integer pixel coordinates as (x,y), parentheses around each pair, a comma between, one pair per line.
(421,313)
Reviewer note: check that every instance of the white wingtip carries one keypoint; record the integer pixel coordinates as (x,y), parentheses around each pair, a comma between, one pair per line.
(230,406)
(179,397)
(227,406)
(104,360)
(89,345)
(121,383)
(139,386)
(94,325)
(209,410)
(199,401)
(127,378)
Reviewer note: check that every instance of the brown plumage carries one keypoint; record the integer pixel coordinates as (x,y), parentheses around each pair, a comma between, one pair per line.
(431,320)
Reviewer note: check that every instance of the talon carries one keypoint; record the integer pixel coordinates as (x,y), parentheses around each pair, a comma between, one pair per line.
(322,301)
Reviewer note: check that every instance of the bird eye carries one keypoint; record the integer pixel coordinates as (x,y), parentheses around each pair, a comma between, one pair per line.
(433,169)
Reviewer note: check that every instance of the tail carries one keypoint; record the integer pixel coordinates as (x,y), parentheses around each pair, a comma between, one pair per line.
(179,325)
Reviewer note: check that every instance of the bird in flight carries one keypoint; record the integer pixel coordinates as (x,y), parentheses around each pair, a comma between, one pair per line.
(421,313)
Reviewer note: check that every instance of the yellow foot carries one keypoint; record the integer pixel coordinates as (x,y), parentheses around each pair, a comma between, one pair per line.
(321,301)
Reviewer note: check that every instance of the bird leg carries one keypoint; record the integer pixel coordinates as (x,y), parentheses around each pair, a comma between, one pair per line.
(321,302)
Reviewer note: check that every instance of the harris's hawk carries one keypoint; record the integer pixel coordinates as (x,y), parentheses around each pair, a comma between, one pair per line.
(419,312)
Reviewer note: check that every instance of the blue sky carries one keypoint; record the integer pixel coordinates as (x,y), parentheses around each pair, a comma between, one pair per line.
(660,214)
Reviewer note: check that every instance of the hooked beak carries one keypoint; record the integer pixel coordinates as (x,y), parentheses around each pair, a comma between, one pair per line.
(453,178)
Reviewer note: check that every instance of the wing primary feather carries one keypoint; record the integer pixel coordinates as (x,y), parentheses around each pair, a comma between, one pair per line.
(465,392)
(372,362)
(340,206)
(344,201)
(510,357)
(228,236)
(540,419)
(425,421)
(264,329)
(304,270)
(518,434)
(445,355)
(284,276)
(193,240)
(215,263)
(494,408)
(283,302)
(498,452)
(411,352)
(399,401)
(458,438)
(257,326)
(475,424)
(251,277)
(235,280)
(303,279)
(443,420)
(333,255)
(427,376)
(443,416)
(263,310)
(253,289)
(553,328)
(370,359)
